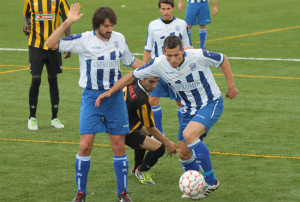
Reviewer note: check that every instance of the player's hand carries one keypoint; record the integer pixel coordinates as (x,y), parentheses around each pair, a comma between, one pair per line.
(26,30)
(215,11)
(180,6)
(171,148)
(101,97)
(232,93)
(74,13)
(67,55)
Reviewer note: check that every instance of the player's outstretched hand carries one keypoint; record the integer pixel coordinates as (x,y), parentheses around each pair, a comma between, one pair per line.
(232,93)
(74,13)
(101,97)
(171,148)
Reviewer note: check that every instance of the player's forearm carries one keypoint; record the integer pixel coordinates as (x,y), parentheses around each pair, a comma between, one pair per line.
(68,32)
(124,81)
(226,69)
(54,38)
(137,63)
(26,20)
(157,134)
(146,57)
(215,3)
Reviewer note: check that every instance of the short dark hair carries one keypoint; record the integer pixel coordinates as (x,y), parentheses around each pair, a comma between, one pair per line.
(171,2)
(172,42)
(101,14)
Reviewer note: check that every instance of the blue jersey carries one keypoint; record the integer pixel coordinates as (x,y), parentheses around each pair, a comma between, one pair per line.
(192,81)
(99,60)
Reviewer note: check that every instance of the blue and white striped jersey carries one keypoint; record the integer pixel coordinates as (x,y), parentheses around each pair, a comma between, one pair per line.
(99,60)
(192,81)
(158,31)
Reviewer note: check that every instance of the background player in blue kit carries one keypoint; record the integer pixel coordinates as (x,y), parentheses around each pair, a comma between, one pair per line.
(187,72)
(197,12)
(100,52)
(158,30)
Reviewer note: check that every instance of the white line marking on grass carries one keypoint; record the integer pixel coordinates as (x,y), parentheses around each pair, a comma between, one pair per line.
(231,58)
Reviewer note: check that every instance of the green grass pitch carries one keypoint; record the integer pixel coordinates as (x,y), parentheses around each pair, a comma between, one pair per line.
(254,146)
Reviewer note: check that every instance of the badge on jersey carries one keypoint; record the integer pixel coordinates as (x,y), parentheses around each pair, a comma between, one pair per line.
(212,55)
(44,16)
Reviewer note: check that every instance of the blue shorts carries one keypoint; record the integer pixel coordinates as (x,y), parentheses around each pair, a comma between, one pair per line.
(208,116)
(163,90)
(111,117)
(197,13)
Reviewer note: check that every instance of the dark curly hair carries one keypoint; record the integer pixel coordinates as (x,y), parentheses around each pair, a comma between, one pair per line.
(101,14)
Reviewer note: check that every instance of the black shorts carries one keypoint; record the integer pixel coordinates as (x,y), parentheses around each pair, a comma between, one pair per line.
(38,57)
(135,139)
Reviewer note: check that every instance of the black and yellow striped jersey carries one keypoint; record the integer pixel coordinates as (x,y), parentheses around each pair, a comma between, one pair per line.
(138,106)
(44,15)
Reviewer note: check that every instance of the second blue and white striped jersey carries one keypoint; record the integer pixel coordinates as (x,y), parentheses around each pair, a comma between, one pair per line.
(192,81)
(158,31)
(99,60)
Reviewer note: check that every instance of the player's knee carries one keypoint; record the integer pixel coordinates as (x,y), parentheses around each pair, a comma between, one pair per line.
(186,136)
(85,148)
(35,82)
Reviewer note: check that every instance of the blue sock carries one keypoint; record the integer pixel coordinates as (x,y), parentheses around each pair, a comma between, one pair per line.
(179,112)
(121,171)
(190,164)
(82,167)
(202,36)
(157,113)
(201,153)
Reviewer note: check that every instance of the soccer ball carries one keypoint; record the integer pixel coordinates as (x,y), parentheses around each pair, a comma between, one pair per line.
(192,183)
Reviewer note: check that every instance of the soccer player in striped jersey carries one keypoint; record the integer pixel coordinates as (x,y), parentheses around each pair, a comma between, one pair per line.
(187,72)
(41,18)
(141,122)
(100,52)
(197,12)
(158,30)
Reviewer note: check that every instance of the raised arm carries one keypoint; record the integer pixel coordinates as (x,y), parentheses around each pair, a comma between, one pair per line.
(232,92)
(73,16)
(67,33)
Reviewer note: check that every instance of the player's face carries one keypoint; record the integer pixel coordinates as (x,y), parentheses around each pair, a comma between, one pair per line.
(174,56)
(105,30)
(166,11)
(149,84)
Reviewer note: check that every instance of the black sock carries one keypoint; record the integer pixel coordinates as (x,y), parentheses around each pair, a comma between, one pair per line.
(33,95)
(151,158)
(138,157)
(54,95)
